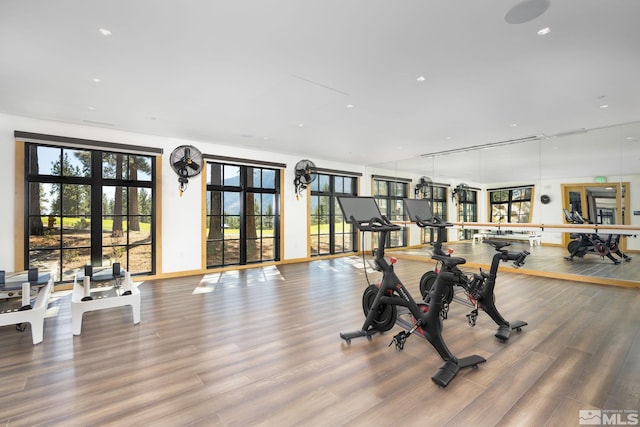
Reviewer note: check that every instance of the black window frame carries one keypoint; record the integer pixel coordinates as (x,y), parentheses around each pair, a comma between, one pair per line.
(467,211)
(388,193)
(94,250)
(328,193)
(437,194)
(510,197)
(242,190)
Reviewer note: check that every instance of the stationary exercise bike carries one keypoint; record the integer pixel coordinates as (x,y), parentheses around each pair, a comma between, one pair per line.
(388,302)
(477,288)
(585,243)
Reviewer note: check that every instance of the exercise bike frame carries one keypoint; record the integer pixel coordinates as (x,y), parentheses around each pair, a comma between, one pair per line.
(392,293)
(479,288)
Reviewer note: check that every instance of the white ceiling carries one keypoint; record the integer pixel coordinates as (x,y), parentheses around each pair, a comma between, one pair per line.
(249,72)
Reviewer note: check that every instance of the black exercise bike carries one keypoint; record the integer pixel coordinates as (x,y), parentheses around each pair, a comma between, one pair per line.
(389,302)
(478,288)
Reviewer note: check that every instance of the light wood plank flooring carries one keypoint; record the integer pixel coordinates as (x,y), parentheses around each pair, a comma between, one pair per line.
(262,347)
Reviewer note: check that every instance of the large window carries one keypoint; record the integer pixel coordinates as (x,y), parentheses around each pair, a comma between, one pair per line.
(330,234)
(512,205)
(467,211)
(389,194)
(87,206)
(243,214)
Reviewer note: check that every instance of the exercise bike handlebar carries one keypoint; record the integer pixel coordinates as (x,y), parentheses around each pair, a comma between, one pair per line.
(376,224)
(518,258)
(436,222)
(383,226)
(506,255)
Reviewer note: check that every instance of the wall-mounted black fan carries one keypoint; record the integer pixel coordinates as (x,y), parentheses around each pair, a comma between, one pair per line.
(305,175)
(460,192)
(423,187)
(186,161)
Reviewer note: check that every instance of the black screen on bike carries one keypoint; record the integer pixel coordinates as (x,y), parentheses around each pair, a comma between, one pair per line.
(362,209)
(418,209)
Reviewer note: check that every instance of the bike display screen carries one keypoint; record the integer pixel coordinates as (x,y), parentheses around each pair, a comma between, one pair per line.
(362,209)
(418,209)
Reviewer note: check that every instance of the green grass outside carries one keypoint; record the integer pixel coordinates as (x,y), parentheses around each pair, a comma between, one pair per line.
(107,224)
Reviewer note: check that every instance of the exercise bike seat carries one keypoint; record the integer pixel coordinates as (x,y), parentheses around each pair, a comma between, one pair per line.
(449,261)
(497,244)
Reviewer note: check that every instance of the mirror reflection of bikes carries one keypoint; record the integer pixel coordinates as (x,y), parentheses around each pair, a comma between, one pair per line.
(592,243)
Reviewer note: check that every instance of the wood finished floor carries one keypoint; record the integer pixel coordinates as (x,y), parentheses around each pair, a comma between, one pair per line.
(262,347)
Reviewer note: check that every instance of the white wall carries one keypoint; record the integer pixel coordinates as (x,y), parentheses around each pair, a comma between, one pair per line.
(181,216)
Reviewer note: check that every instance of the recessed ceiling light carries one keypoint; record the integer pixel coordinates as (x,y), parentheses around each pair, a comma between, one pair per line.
(544,31)
(96,80)
(349,105)
(266,138)
(91,107)
(420,79)
(514,125)
(300,125)
(604,106)
(448,138)
(104,32)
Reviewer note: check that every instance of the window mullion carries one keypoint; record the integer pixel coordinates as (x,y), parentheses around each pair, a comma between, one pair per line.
(243,215)
(96,208)
(332,212)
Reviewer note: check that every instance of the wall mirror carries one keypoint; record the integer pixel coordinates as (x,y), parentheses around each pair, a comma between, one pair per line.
(594,170)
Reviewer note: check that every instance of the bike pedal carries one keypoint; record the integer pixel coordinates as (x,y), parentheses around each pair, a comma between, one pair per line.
(471,320)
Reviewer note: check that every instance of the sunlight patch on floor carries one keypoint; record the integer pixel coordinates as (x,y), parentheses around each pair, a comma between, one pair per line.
(356,262)
(234,278)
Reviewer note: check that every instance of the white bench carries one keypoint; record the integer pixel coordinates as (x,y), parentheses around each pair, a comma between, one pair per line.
(33,316)
(479,237)
(535,239)
(100,301)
